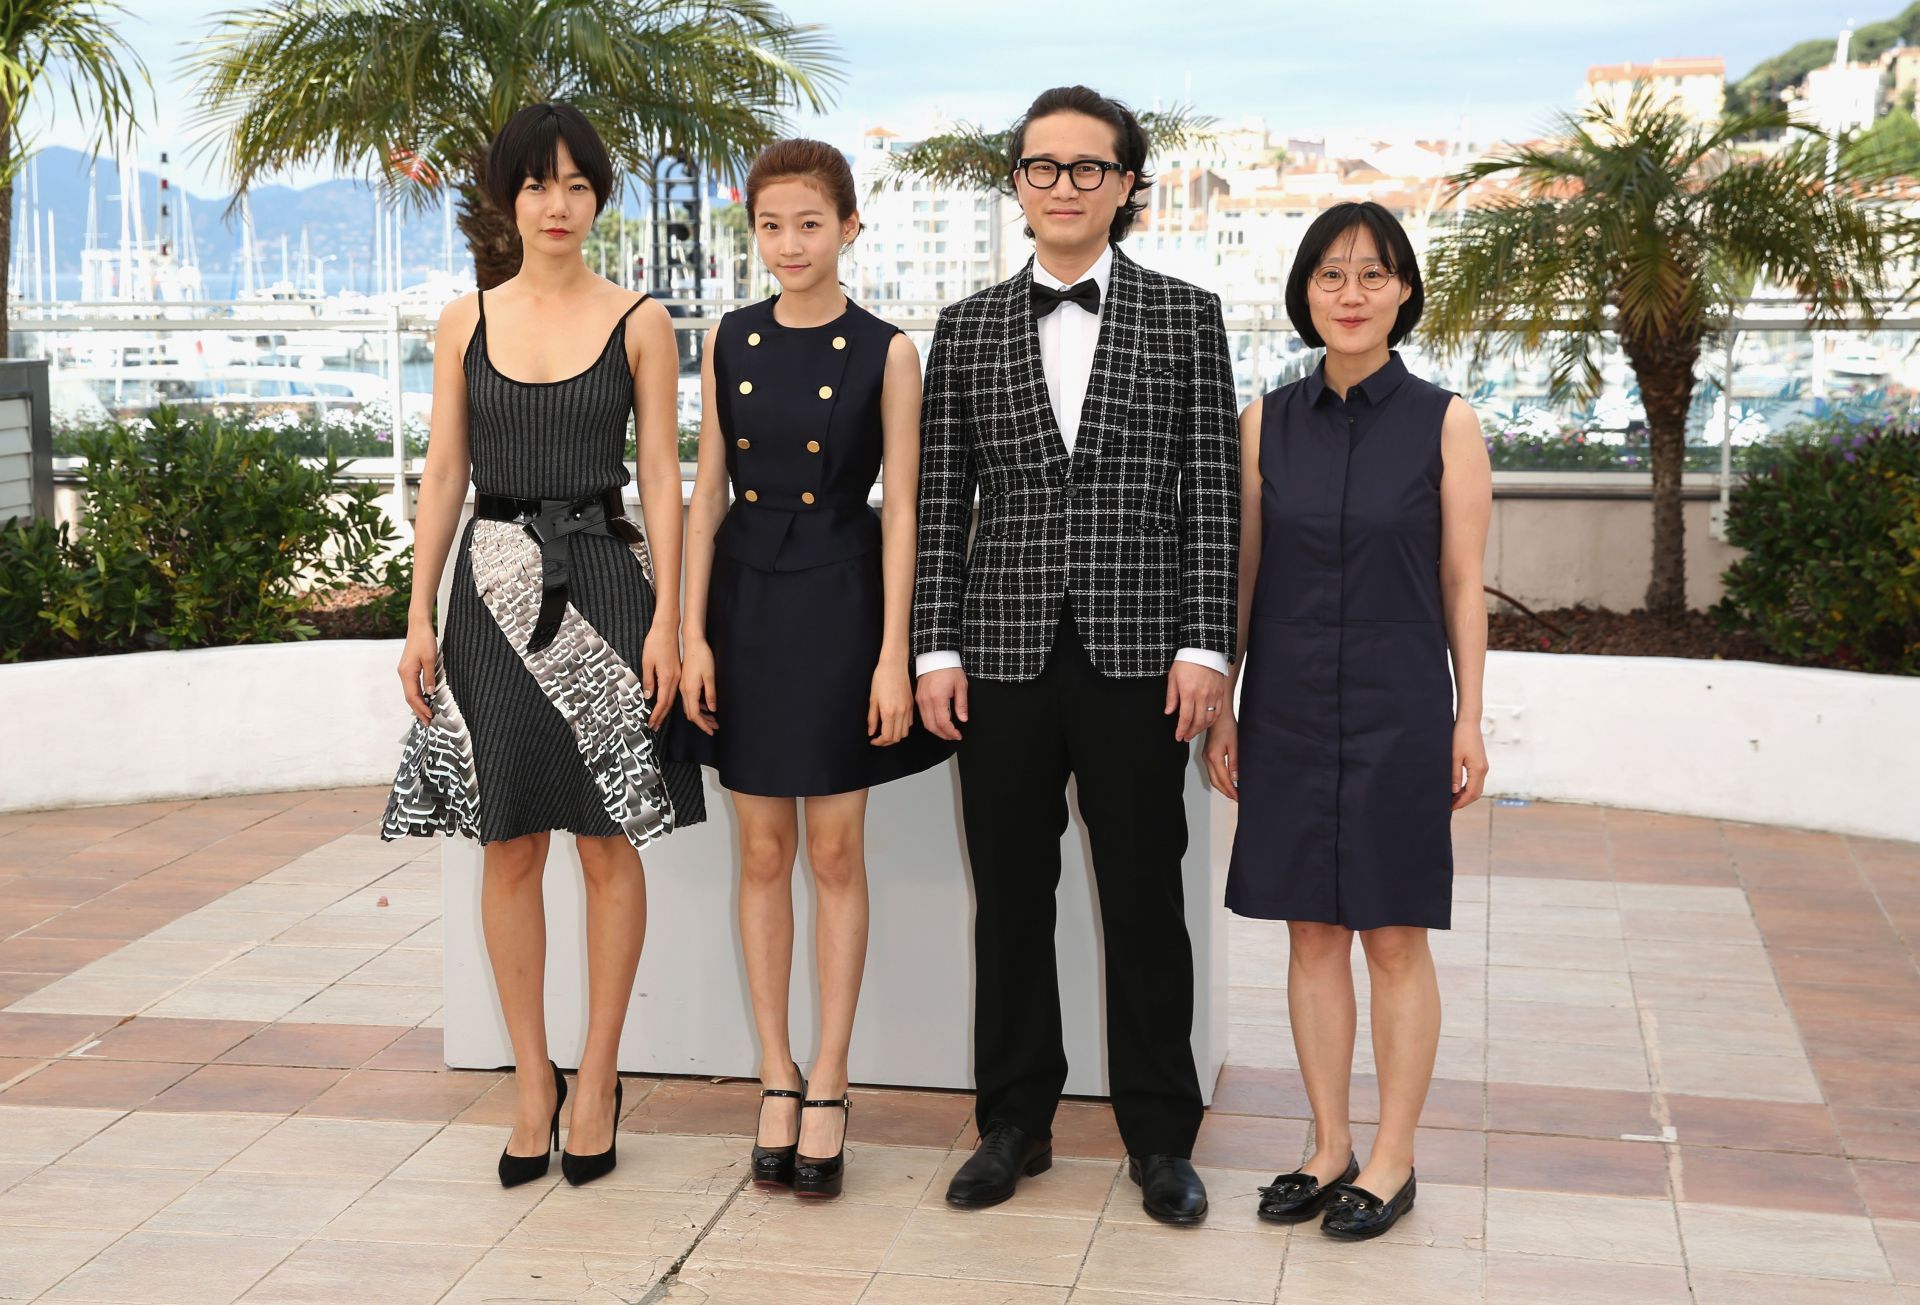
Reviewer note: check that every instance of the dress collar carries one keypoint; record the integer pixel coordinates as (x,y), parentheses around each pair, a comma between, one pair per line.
(1376,387)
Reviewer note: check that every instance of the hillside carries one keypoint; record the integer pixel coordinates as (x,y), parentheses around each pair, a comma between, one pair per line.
(1769,77)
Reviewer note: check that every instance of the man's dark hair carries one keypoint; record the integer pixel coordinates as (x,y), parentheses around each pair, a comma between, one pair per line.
(1129,139)
(1396,255)
(529,146)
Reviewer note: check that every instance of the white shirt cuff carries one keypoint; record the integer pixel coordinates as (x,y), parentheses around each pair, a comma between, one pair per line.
(1206,657)
(936,661)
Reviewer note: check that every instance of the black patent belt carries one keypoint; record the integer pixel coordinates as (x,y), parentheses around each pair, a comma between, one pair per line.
(551,523)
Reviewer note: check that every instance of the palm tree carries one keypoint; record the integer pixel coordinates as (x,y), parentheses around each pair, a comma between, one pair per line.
(972,158)
(76,39)
(1641,224)
(410,92)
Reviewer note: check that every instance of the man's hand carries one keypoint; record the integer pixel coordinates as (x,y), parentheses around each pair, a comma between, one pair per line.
(1197,693)
(942,699)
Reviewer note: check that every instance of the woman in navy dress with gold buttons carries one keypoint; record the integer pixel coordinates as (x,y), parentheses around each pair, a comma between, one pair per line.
(796,666)
(1366,496)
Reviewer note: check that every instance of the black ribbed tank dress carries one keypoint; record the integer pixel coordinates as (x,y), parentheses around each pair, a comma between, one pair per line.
(524,742)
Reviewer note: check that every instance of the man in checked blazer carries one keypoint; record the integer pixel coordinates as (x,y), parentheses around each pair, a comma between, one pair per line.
(1087,633)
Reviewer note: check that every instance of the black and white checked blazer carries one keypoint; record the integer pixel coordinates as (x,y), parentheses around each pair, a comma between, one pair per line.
(1141,525)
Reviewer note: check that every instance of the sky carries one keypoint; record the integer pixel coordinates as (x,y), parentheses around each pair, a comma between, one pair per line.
(1390,67)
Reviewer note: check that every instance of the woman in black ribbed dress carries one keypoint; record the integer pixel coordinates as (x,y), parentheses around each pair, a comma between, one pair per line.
(796,625)
(1366,498)
(558,661)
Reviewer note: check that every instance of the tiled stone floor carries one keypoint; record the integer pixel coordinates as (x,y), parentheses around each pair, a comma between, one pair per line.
(1681,1063)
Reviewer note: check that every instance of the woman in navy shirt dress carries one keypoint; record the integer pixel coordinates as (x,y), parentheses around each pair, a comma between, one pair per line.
(1367,492)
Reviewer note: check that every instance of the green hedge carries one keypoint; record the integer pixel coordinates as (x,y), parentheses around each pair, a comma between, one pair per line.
(1831,529)
(199,531)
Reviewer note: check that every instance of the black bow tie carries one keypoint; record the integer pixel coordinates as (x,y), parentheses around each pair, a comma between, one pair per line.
(1046,298)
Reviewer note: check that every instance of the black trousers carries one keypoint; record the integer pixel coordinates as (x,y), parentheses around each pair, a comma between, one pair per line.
(1021,743)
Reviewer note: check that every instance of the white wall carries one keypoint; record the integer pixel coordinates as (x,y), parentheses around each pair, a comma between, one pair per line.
(1776,745)
(88,731)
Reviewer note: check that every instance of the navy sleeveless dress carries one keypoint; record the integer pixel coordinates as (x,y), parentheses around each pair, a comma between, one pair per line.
(795,606)
(523,742)
(1346,699)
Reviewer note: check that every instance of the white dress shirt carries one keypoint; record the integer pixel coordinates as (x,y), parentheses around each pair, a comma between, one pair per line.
(1069,336)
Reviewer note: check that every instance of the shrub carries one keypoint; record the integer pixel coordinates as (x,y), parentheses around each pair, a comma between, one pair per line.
(198,532)
(1832,533)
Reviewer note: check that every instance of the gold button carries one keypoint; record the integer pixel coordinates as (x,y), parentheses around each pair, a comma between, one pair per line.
(806,498)
(745,444)
(826,391)
(839,341)
(813,446)
(753,496)
(754,338)
(746,387)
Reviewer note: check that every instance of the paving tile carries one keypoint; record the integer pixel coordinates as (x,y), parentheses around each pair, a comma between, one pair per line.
(1249,1142)
(45,1035)
(88,994)
(34,1259)
(1771,1033)
(685,1106)
(396,1094)
(1756,1078)
(368,1003)
(900,1289)
(1072,1188)
(1708,996)
(1562,1064)
(272,1090)
(1085,1129)
(415,1049)
(1322,1271)
(602,1278)
(177,1041)
(894,1118)
(1714,1287)
(1868,966)
(1901,1241)
(1569,987)
(659,1224)
(107,1084)
(153,1140)
(1514,1279)
(1765,1179)
(940,1242)
(1557,951)
(1589,1166)
(1556,1022)
(327,1272)
(42,1134)
(1517,919)
(218,924)
(215,998)
(1892,1189)
(1570,1111)
(161,1268)
(436,1213)
(1599,1227)
(401,967)
(344,1148)
(1688,926)
(1741,1239)
(83,1196)
(314,1046)
(160,958)
(278,963)
(1864,1084)
(1755,1125)
(779,1230)
(51,955)
(267,1205)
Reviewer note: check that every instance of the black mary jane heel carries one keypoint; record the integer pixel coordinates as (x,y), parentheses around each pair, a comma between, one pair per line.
(1356,1214)
(773,1165)
(518,1169)
(1298,1197)
(823,1178)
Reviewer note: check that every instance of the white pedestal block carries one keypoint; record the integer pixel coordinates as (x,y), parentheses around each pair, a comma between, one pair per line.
(690,1013)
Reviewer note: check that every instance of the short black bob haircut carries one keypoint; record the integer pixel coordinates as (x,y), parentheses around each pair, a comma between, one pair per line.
(1396,255)
(1130,143)
(529,146)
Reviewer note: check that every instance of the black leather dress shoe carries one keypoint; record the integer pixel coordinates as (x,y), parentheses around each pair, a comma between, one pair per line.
(1169,1189)
(995,1168)
(1298,1197)
(1356,1214)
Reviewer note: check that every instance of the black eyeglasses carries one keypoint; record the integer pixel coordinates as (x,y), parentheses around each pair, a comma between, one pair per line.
(1044,174)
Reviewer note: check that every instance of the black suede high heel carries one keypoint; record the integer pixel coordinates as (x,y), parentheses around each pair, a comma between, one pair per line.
(580,1169)
(813,1177)
(518,1169)
(773,1165)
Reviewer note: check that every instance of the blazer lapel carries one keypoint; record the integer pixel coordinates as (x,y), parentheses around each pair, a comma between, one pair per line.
(1026,378)
(1116,359)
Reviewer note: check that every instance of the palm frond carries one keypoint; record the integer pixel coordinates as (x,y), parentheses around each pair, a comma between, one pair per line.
(76,42)
(969,157)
